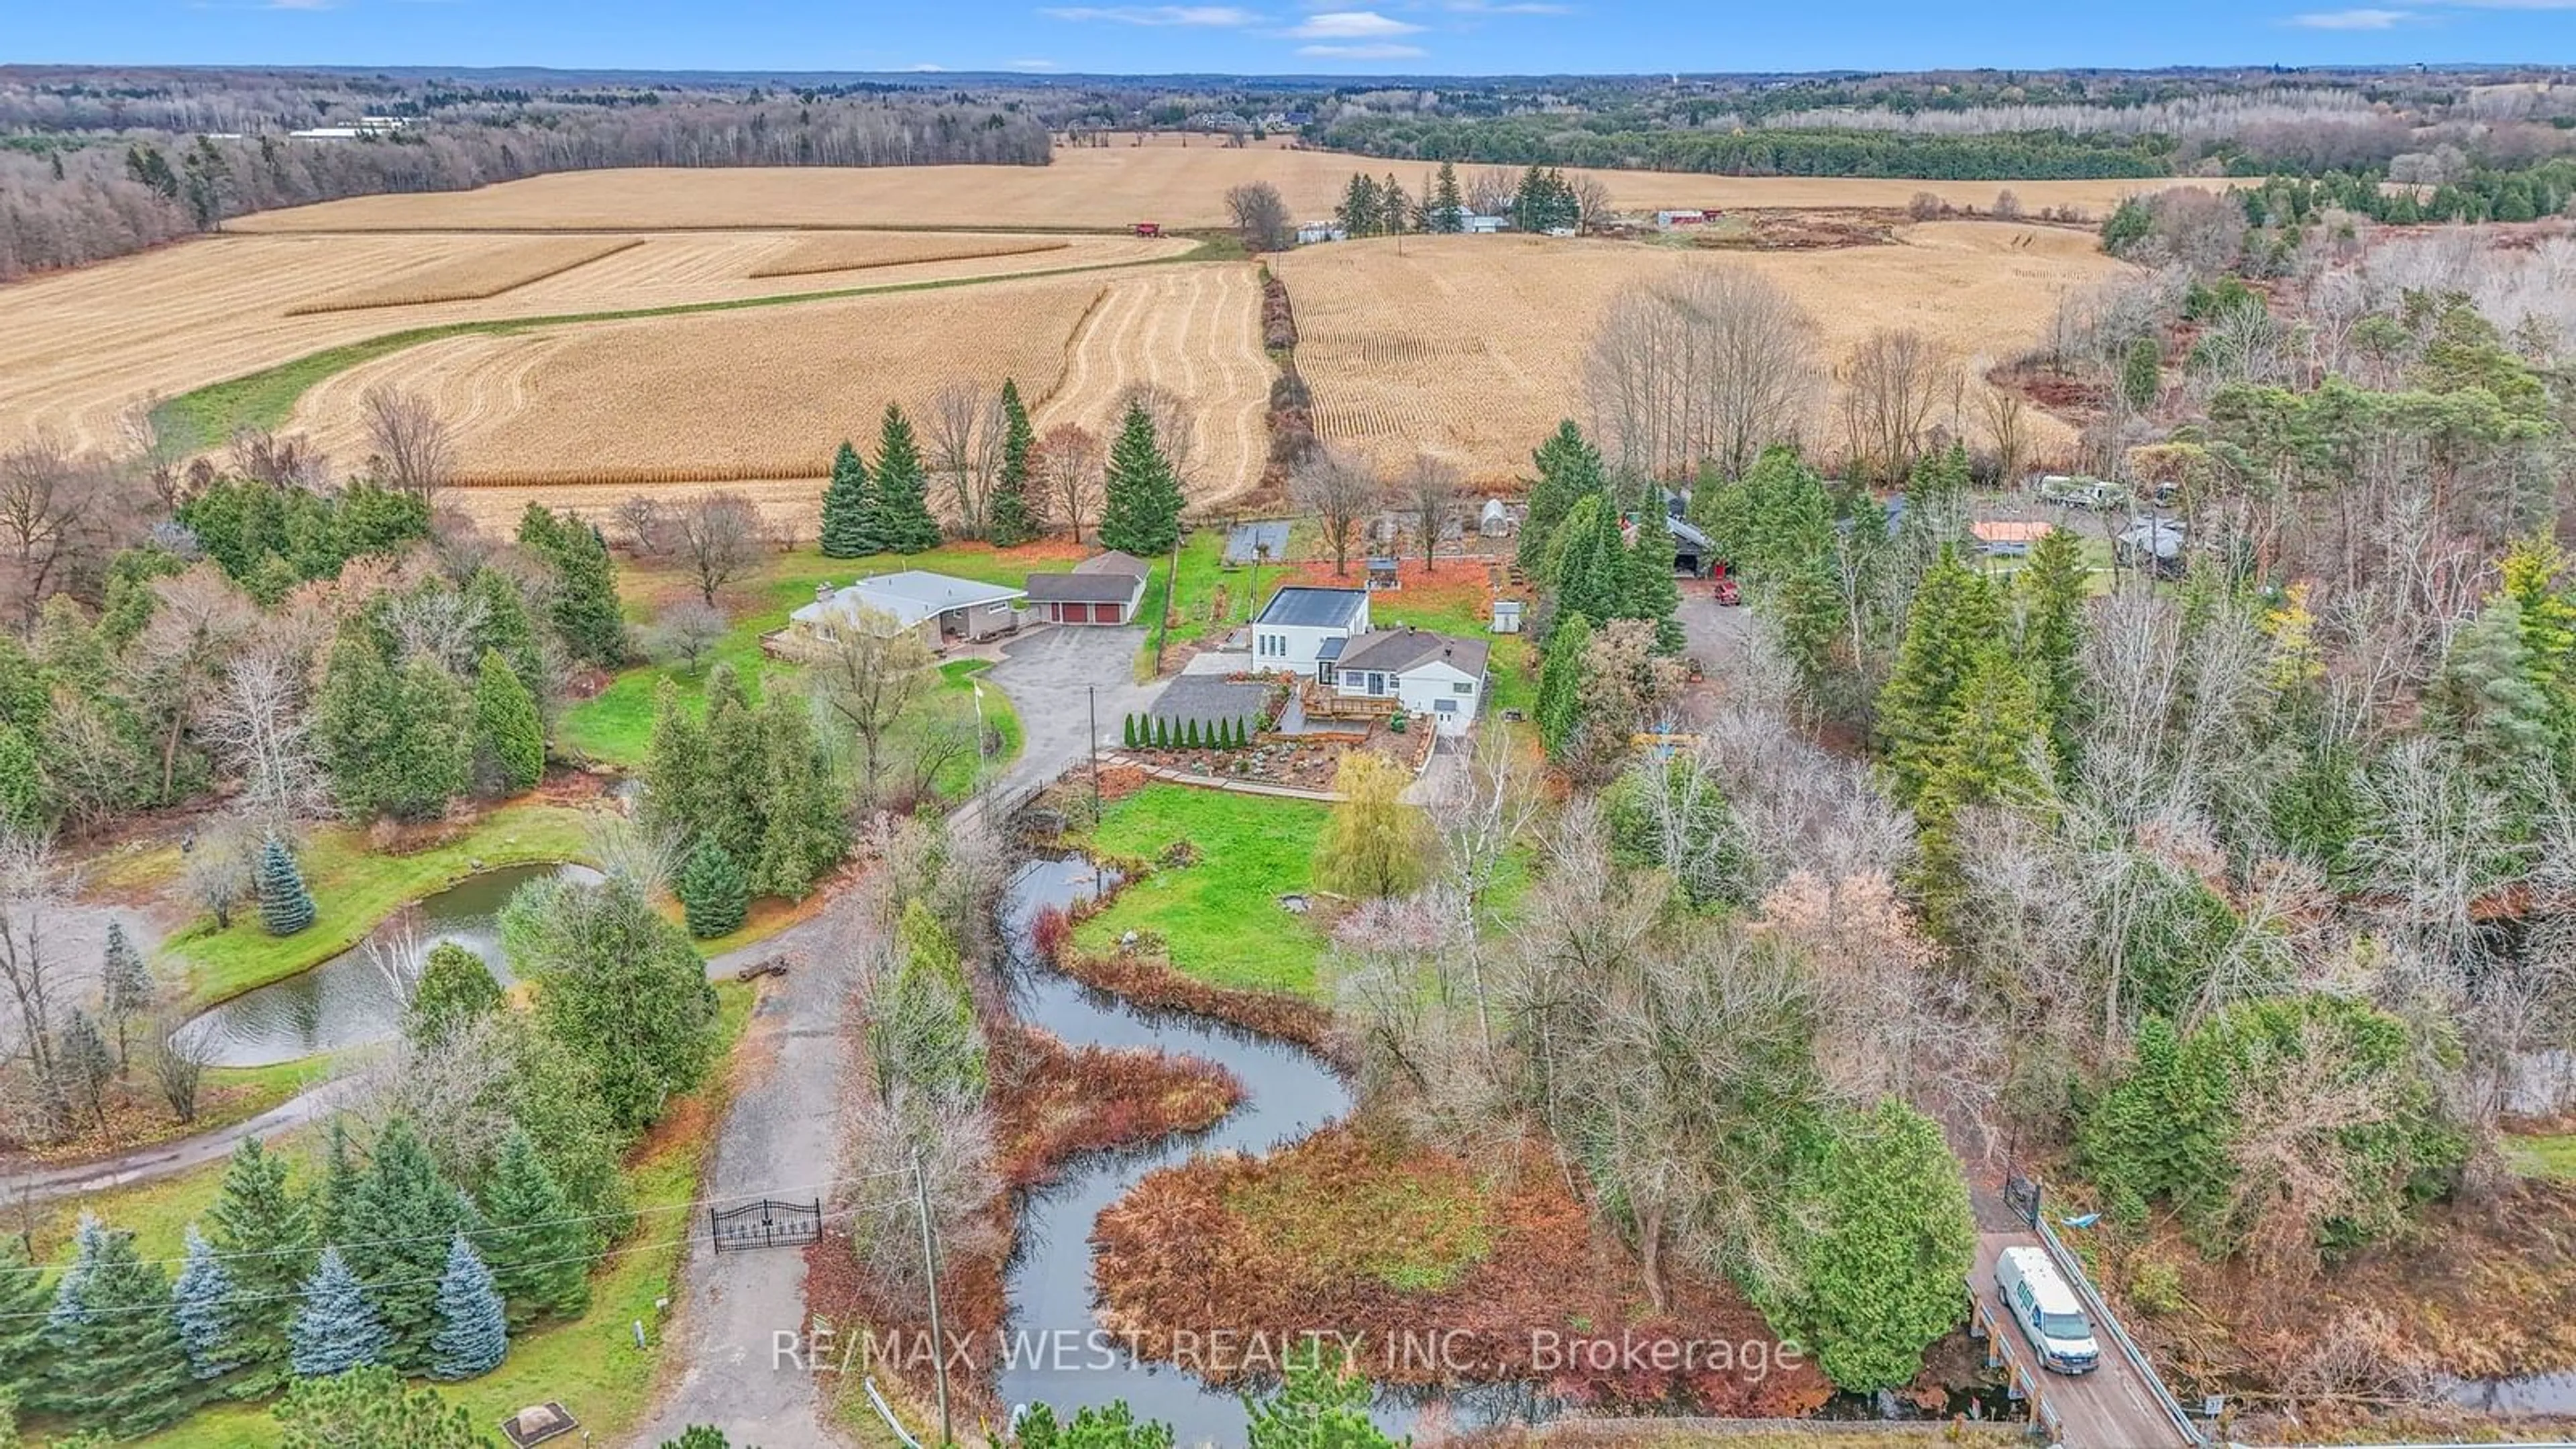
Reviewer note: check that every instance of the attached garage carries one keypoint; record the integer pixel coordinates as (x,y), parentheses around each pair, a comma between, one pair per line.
(1104,590)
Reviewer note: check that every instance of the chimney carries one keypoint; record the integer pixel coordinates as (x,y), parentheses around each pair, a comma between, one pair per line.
(823,591)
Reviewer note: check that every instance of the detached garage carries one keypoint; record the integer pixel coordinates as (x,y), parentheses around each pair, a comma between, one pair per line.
(1102,590)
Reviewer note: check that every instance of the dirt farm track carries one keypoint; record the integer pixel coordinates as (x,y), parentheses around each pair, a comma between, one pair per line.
(786,308)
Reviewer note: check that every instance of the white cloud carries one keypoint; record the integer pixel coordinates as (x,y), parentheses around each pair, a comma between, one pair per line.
(2513,4)
(1352,25)
(2352,19)
(1506,7)
(925,67)
(1371,51)
(1040,65)
(1211,16)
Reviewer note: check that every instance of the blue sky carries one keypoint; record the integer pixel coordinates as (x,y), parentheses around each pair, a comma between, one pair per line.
(1287,36)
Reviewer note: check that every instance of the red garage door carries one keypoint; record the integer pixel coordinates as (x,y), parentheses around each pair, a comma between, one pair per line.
(1077,613)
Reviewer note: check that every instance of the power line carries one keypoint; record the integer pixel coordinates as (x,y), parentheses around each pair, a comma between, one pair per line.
(240,1298)
(752,1195)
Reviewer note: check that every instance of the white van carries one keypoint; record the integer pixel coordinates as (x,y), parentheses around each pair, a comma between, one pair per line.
(2047,1310)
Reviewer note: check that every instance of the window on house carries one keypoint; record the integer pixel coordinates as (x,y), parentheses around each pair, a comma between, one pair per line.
(1462,689)
(1444,706)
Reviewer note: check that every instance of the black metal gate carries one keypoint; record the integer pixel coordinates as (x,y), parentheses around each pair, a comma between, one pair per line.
(2021,1194)
(766,1224)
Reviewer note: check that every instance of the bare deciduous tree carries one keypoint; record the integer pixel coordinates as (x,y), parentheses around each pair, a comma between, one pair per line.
(258,723)
(216,871)
(33,966)
(1260,216)
(1068,465)
(283,461)
(1336,485)
(2007,423)
(684,633)
(645,522)
(1176,426)
(868,672)
(1711,364)
(966,445)
(718,535)
(410,448)
(1430,493)
(1892,387)
(61,515)
(197,623)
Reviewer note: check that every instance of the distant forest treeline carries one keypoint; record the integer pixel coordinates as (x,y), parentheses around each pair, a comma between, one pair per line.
(88,173)
(1549,141)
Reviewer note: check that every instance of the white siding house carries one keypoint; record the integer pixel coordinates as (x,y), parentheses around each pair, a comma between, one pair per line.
(1302,629)
(1431,675)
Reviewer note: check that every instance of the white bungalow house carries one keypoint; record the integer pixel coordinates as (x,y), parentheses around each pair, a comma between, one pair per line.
(939,608)
(1429,674)
(1302,628)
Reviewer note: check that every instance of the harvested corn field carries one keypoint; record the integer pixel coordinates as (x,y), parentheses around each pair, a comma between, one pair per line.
(855,251)
(88,348)
(1084,187)
(1191,332)
(764,397)
(487,271)
(1472,347)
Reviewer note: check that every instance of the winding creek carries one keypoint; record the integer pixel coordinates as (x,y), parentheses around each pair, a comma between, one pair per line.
(1287,1094)
(346,1002)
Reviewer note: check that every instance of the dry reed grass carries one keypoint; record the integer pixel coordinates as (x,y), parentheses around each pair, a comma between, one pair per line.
(472,277)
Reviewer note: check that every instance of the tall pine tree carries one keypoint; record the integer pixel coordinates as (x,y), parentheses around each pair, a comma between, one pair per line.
(1954,618)
(1591,561)
(1646,587)
(396,1240)
(114,1359)
(539,1258)
(1560,682)
(804,828)
(846,505)
(1445,211)
(1569,469)
(125,986)
(344,1177)
(473,1332)
(2052,591)
(266,1234)
(1018,506)
(898,517)
(509,738)
(713,891)
(202,1306)
(586,613)
(1141,502)
(25,1300)
(336,1329)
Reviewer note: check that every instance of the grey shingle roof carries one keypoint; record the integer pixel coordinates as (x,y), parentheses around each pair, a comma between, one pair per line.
(1082,588)
(1114,562)
(1395,651)
(1300,606)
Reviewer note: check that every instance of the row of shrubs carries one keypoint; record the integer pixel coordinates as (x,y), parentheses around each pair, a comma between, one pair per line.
(1149,732)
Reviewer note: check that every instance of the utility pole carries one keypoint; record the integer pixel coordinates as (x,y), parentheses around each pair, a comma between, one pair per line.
(1171,594)
(1093,691)
(930,1266)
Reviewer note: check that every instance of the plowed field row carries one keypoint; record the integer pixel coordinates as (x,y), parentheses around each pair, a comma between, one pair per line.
(486,273)
(853,251)
(1196,332)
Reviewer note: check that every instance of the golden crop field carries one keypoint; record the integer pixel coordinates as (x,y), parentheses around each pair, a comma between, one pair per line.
(1471,348)
(853,251)
(482,272)
(593,411)
(1109,186)
(89,347)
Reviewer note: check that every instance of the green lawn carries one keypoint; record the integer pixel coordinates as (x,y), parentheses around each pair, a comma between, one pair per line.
(355,889)
(1220,918)
(2544,1156)
(955,700)
(592,1364)
(615,725)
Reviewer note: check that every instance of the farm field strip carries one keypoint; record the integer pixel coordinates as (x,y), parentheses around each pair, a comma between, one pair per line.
(93,346)
(1093,187)
(1471,348)
(1195,331)
(502,268)
(861,251)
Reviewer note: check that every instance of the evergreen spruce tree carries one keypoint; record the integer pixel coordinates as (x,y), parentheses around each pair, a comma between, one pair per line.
(201,1307)
(368,1408)
(1646,587)
(335,1199)
(1592,561)
(506,626)
(1358,211)
(1131,730)
(455,988)
(728,802)
(284,906)
(26,1300)
(586,614)
(83,1062)
(1190,738)
(713,893)
(539,1260)
(2486,700)
(1446,211)
(846,505)
(265,1232)
(509,737)
(2142,374)
(1162,732)
(1141,499)
(1560,682)
(1954,618)
(22,780)
(804,829)
(473,1332)
(396,1240)
(125,985)
(898,519)
(1569,468)
(675,764)
(1012,519)
(336,1329)
(114,1362)
(1985,754)
(2052,593)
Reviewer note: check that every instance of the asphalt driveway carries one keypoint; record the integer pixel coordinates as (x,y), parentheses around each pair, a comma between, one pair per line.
(1051,677)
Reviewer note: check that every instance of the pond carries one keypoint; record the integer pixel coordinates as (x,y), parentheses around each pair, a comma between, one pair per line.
(2522,1396)
(1288,1093)
(346,1002)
